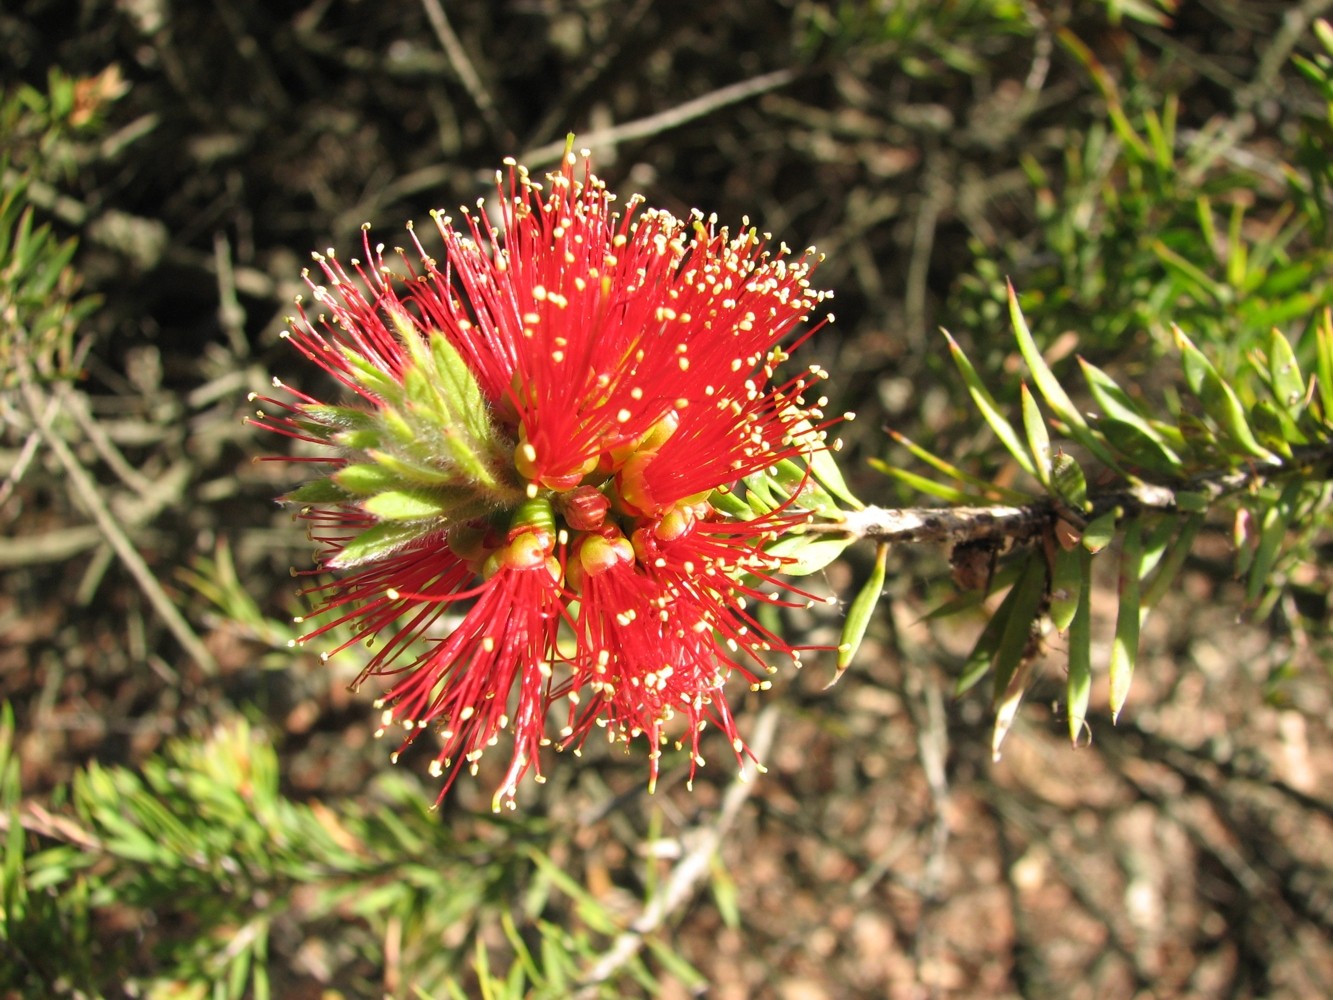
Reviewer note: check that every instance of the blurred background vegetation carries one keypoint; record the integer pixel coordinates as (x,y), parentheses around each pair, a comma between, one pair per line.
(189,808)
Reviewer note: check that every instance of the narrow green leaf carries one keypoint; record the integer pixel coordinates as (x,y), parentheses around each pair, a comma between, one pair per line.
(1156,541)
(808,553)
(1219,400)
(238,973)
(1039,439)
(1047,384)
(1078,687)
(522,952)
(985,488)
(1006,575)
(1200,284)
(1066,585)
(861,611)
(1012,661)
(978,662)
(1125,644)
(929,487)
(1116,404)
(1068,481)
(1098,534)
(1169,567)
(665,953)
(761,492)
(1028,593)
(1285,374)
(724,893)
(1273,527)
(1191,501)
(1139,449)
(1324,364)
(1274,428)
(990,410)
(1237,247)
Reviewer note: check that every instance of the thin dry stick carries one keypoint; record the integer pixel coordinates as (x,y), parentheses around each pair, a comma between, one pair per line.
(641,128)
(467,73)
(86,490)
(976,524)
(689,872)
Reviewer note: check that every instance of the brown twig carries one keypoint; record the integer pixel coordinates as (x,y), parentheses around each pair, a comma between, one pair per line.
(689,872)
(954,525)
(88,494)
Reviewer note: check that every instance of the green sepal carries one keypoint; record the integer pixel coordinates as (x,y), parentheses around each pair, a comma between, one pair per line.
(318,491)
(375,543)
(368,377)
(406,505)
(417,473)
(358,440)
(365,479)
(345,418)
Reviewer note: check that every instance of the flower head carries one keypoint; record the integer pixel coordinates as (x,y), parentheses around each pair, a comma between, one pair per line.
(533,496)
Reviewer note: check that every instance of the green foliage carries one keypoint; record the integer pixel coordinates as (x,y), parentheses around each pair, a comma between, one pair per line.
(40,304)
(1315,150)
(204,849)
(1260,449)
(923,36)
(1148,224)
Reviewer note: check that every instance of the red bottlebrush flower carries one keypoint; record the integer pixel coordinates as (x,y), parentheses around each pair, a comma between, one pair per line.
(535,493)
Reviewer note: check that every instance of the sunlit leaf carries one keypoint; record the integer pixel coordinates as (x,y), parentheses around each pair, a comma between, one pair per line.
(1099,533)
(860,612)
(1125,644)
(1078,687)
(989,409)
(1039,439)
